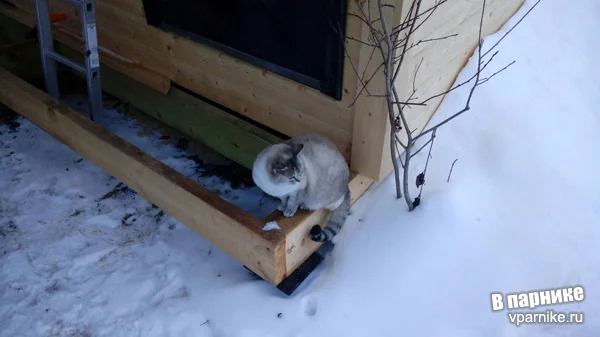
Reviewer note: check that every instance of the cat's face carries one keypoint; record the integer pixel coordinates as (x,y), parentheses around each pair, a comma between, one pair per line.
(285,168)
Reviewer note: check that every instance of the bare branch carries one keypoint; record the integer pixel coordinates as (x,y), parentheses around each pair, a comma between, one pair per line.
(421,148)
(431,40)
(360,18)
(351,63)
(410,32)
(479,59)
(393,43)
(407,18)
(387,55)
(400,158)
(512,28)
(368,63)
(407,21)
(399,141)
(462,83)
(414,81)
(365,84)
(477,75)
(361,42)
(407,103)
(483,80)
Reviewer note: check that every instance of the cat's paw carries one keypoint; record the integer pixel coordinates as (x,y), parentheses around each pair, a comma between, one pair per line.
(288,212)
(317,234)
(304,207)
(281,207)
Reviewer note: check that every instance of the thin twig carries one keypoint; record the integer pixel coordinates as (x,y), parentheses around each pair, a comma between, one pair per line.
(421,148)
(393,44)
(511,28)
(365,84)
(368,63)
(407,22)
(403,53)
(400,158)
(414,81)
(431,40)
(451,168)
(407,103)
(483,80)
(361,42)
(477,75)
(399,141)
(462,83)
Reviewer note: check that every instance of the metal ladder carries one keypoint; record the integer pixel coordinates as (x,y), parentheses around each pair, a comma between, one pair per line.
(91,68)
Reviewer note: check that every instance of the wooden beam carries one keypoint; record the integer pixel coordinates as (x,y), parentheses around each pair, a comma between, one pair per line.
(298,245)
(233,230)
(202,121)
(273,255)
(289,247)
(159,83)
(370,139)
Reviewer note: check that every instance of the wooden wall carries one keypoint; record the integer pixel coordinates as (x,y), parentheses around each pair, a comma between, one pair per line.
(157,58)
(270,99)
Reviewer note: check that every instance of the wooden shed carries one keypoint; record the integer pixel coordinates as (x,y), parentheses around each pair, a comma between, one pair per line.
(268,70)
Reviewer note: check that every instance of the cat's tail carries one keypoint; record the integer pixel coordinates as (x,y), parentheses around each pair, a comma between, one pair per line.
(336,221)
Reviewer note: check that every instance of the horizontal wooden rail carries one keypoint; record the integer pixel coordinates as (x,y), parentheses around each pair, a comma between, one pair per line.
(273,255)
(233,230)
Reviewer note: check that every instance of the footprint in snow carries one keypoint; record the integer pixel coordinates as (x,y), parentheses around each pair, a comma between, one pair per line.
(310,306)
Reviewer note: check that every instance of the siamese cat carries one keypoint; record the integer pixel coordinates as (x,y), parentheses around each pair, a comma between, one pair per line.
(306,172)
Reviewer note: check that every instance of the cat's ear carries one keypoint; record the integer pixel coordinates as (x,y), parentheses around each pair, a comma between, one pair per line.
(296,148)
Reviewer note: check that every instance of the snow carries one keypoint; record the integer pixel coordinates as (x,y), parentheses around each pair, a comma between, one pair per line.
(520,213)
(271,225)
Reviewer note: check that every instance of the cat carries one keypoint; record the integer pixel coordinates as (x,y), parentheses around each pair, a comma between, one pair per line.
(306,172)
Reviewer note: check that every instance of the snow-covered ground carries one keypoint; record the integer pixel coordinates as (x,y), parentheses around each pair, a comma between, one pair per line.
(521,212)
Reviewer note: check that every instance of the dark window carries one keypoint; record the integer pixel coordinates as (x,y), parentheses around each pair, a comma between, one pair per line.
(302,40)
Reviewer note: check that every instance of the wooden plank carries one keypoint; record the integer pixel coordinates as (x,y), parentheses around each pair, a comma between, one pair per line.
(298,245)
(237,85)
(233,230)
(135,7)
(18,52)
(224,133)
(267,256)
(149,78)
(228,135)
(273,255)
(158,82)
(370,141)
